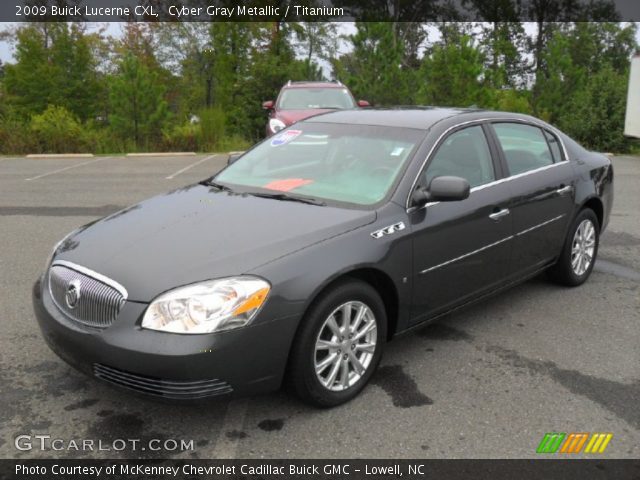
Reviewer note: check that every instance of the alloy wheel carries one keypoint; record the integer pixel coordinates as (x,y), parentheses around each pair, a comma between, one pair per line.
(583,247)
(345,346)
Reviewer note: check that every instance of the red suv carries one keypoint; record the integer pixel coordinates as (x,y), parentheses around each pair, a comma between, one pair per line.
(300,100)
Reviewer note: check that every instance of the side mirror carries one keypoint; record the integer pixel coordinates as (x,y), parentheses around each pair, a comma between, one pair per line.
(448,189)
(363,103)
(441,189)
(268,105)
(233,157)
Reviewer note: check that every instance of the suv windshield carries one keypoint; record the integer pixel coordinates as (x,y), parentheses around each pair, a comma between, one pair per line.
(356,164)
(305,98)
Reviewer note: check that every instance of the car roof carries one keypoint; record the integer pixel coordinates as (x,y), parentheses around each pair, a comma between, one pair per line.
(421,118)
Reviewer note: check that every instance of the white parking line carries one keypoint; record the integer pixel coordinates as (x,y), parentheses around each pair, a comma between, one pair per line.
(66,168)
(188,167)
(227,445)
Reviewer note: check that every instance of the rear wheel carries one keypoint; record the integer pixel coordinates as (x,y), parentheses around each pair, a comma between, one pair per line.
(579,252)
(339,345)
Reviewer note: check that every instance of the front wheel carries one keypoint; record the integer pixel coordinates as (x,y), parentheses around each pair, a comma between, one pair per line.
(339,345)
(579,252)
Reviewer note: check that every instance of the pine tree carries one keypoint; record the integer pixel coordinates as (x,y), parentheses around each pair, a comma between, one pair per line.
(138,107)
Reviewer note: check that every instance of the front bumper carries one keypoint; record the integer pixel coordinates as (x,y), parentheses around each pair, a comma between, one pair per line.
(172,366)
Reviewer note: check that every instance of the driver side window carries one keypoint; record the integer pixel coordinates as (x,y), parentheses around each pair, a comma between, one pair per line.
(465,153)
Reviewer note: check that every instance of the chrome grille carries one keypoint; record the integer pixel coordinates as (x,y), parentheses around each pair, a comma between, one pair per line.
(96,301)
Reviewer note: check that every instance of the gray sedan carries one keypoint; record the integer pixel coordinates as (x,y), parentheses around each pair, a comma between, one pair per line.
(302,258)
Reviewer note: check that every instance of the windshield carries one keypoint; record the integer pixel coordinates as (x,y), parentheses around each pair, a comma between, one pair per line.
(305,98)
(355,164)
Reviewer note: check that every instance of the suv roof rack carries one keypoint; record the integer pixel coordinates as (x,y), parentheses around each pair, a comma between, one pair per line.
(297,82)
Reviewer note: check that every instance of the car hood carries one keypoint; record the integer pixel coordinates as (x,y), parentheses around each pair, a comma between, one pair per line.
(198,233)
(292,116)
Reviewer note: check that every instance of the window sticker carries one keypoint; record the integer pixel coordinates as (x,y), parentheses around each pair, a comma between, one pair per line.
(287,184)
(397,151)
(285,137)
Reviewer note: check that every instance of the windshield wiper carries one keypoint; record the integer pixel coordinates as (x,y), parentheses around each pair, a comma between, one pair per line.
(214,184)
(289,198)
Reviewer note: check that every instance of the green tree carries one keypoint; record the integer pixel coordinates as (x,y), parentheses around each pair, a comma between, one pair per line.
(374,68)
(30,81)
(57,131)
(55,64)
(453,75)
(574,54)
(598,112)
(550,17)
(504,44)
(315,42)
(138,108)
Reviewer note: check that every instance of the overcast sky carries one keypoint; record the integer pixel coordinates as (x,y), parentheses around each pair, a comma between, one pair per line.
(6,51)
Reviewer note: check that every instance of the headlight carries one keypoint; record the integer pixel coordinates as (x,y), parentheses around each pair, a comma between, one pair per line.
(276,125)
(212,306)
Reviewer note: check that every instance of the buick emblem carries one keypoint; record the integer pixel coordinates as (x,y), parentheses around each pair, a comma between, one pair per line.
(72,296)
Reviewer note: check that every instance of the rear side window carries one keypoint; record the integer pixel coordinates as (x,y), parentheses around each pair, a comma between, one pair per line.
(525,147)
(554,145)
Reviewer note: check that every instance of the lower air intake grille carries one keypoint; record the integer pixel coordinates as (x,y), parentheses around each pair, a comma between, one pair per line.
(173,389)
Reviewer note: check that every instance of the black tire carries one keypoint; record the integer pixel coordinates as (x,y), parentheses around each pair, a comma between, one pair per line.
(563,272)
(301,376)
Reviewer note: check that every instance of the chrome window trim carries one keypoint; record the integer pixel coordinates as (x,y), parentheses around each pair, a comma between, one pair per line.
(497,182)
(481,249)
(90,273)
(518,175)
(439,140)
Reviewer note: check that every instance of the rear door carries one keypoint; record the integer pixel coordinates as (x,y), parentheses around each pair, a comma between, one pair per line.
(540,178)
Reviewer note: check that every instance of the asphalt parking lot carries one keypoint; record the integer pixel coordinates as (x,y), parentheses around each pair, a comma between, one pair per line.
(487,382)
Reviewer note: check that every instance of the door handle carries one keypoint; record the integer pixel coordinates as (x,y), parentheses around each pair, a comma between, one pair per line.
(499,214)
(563,190)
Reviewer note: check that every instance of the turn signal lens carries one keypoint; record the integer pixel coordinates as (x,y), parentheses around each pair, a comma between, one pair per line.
(253,302)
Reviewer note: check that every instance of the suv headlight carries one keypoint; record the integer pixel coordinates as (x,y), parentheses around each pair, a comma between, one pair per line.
(276,125)
(211,306)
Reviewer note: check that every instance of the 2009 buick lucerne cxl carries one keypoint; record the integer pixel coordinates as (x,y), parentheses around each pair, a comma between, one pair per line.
(299,260)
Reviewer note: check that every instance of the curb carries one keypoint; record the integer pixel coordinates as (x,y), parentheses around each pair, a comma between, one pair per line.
(60,155)
(162,154)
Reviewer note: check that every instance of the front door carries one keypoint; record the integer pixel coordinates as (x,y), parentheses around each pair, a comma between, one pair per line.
(461,248)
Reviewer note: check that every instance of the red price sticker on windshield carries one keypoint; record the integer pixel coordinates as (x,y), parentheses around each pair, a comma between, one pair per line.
(287,184)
